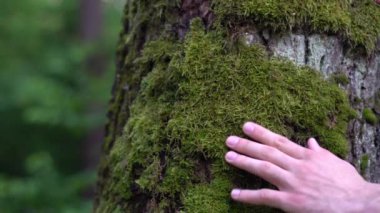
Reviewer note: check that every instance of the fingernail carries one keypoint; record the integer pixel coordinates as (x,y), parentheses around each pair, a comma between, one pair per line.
(235,194)
(232,141)
(248,127)
(231,156)
(313,144)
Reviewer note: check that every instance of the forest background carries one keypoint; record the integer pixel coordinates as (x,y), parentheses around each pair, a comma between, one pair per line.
(56,73)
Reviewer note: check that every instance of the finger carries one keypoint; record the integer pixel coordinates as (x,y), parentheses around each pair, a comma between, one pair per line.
(267,197)
(260,151)
(313,144)
(266,170)
(265,136)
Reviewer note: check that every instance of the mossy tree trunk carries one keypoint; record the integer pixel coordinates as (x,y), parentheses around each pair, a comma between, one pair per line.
(190,72)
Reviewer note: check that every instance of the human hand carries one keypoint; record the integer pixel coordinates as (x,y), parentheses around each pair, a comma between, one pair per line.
(308,179)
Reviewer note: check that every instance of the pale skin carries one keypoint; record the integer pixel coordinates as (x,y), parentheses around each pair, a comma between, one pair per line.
(310,179)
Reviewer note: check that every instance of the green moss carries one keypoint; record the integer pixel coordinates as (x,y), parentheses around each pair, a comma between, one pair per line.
(206,198)
(364,161)
(184,99)
(196,94)
(365,21)
(358,22)
(178,175)
(369,116)
(225,89)
(340,78)
(117,159)
(108,207)
(357,100)
(150,176)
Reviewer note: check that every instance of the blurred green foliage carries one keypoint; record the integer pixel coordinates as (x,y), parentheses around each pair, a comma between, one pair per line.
(44,190)
(42,69)
(49,101)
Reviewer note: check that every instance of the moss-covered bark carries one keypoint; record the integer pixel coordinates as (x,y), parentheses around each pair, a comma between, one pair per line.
(181,90)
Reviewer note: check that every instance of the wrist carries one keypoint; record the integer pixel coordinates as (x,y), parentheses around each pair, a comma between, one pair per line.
(372,202)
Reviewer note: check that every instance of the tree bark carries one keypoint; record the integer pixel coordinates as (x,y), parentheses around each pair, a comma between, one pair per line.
(141,164)
(90,31)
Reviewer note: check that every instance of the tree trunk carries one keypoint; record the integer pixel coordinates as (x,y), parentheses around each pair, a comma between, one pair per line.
(90,31)
(190,73)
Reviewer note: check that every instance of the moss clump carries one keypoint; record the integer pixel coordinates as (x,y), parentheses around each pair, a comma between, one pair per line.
(196,94)
(357,100)
(340,78)
(369,116)
(364,161)
(206,198)
(358,21)
(223,88)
